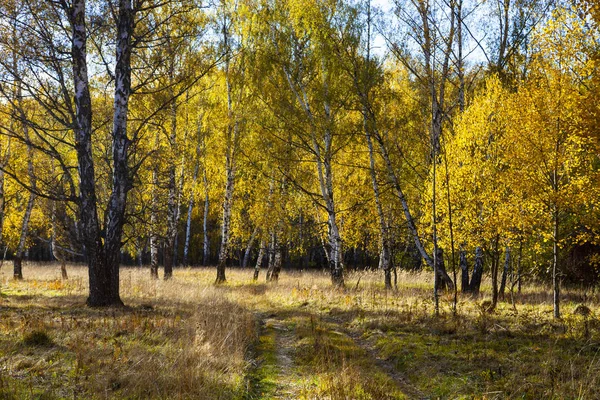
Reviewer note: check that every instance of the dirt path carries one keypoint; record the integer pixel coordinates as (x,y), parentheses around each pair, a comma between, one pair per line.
(286,386)
(288,381)
(409,390)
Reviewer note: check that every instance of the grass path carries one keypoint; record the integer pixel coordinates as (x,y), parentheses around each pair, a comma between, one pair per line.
(305,355)
(286,387)
(409,390)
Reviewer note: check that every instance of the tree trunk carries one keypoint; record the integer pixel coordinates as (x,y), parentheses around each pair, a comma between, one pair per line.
(154,261)
(188,223)
(444,280)
(192,202)
(505,273)
(336,266)
(2,200)
(17,264)
(115,213)
(232,133)
(323,154)
(274,260)
(384,247)
(475,284)
(464,268)
(249,248)
(205,241)
(225,227)
(555,273)
(188,231)
(259,260)
(271,255)
(172,209)
(519,267)
(99,275)
(63,270)
(495,270)
(18,260)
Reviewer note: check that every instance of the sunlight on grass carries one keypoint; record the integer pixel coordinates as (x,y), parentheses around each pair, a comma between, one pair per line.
(186,338)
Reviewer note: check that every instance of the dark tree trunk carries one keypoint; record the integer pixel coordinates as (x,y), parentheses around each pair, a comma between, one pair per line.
(103,258)
(475,284)
(464,268)
(18,267)
(386,264)
(444,282)
(100,289)
(505,273)
(495,270)
(172,206)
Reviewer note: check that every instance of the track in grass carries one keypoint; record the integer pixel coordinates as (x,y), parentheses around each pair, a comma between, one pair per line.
(306,356)
(409,390)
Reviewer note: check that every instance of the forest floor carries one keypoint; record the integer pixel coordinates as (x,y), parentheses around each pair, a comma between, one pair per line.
(298,339)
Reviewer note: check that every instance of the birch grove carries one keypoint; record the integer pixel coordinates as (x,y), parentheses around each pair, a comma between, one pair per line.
(336,135)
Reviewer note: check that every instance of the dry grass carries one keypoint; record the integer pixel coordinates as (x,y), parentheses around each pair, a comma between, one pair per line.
(175,340)
(186,338)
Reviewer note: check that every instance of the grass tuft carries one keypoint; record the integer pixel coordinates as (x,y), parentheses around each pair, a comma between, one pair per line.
(37,338)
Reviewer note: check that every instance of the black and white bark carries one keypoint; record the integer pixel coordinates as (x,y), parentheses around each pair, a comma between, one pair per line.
(226,220)
(385,262)
(192,202)
(321,147)
(107,278)
(172,206)
(154,228)
(99,276)
(275,258)
(231,150)
(259,259)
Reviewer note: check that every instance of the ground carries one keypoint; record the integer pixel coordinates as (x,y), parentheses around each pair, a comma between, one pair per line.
(298,339)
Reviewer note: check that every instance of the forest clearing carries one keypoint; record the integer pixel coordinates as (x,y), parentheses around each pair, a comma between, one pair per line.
(292,199)
(296,339)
